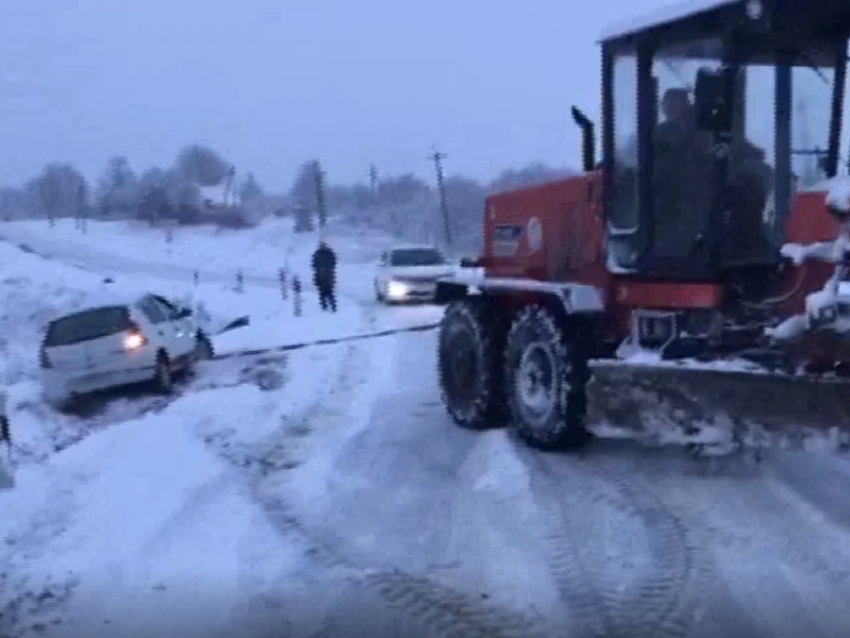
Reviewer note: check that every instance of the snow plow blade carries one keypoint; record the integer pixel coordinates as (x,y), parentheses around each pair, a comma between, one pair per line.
(706,406)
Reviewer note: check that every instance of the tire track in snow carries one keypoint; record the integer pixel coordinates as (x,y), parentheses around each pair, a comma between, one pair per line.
(67,430)
(734,520)
(664,600)
(589,601)
(101,411)
(443,610)
(785,495)
(446,611)
(29,601)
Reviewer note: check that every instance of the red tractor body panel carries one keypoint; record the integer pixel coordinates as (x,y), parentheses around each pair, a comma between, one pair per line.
(556,232)
(551,232)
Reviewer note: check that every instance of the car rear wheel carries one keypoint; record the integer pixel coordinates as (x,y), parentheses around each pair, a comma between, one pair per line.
(203,348)
(163,375)
(379,296)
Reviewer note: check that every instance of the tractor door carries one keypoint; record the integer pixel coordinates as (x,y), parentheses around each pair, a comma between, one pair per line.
(663,170)
(711,123)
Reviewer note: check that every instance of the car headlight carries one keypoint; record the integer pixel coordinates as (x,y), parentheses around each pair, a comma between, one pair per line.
(397,289)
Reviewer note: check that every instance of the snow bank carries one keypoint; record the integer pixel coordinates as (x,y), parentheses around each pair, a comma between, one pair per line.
(115,535)
(838,193)
(258,252)
(35,290)
(32,292)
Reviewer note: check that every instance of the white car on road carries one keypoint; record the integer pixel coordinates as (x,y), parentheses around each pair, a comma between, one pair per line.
(145,338)
(410,274)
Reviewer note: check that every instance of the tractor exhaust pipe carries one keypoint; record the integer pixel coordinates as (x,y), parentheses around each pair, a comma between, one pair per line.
(588,139)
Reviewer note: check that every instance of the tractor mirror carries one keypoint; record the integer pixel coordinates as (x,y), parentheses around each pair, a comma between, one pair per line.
(712,110)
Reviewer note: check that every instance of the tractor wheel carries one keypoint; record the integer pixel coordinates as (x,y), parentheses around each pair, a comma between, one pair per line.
(471,344)
(546,382)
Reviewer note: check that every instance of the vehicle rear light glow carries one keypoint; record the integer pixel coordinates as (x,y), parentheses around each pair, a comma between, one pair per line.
(44,360)
(135,339)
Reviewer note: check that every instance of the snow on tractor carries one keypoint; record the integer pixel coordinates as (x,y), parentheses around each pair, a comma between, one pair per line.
(697,275)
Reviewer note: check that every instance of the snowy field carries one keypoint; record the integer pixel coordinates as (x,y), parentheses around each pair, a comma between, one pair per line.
(323,492)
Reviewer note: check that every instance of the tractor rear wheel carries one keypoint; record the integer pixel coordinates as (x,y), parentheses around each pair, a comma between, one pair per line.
(546,379)
(471,343)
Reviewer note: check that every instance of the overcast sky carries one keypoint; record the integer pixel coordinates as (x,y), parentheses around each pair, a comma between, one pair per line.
(271,83)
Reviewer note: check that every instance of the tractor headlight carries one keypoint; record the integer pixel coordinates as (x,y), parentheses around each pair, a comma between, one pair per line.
(397,289)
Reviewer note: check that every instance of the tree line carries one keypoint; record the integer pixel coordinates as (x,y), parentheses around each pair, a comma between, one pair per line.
(406,205)
(177,193)
(403,205)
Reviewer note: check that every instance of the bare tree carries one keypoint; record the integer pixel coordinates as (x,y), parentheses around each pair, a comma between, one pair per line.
(116,191)
(202,166)
(57,190)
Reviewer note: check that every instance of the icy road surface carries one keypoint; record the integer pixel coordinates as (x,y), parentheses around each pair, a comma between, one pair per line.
(623,541)
(326,493)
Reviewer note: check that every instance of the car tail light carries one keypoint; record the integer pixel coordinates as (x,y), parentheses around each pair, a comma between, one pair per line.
(134,338)
(43,359)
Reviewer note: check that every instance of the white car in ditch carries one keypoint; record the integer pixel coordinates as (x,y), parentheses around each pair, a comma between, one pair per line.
(410,274)
(113,343)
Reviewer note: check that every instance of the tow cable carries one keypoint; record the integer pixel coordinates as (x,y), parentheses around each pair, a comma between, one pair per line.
(325,342)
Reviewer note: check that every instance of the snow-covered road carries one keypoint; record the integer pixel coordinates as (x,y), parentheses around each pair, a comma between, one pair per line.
(344,502)
(625,541)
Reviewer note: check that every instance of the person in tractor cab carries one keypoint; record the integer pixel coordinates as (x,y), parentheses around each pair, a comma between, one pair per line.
(683,177)
(750,182)
(324,275)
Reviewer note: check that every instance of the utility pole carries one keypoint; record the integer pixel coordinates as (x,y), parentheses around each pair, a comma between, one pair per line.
(373,180)
(437,157)
(321,210)
(229,188)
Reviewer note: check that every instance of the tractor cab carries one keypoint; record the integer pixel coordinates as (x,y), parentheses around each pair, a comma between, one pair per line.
(715,117)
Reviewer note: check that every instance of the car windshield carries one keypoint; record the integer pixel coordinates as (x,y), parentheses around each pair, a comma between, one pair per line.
(87,325)
(417,257)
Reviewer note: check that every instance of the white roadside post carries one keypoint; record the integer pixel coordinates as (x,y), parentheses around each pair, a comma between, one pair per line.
(7,472)
(296,296)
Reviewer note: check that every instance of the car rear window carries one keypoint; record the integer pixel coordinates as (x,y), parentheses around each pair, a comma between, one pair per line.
(417,257)
(87,325)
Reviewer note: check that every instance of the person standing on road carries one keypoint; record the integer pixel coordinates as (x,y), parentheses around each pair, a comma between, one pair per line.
(324,275)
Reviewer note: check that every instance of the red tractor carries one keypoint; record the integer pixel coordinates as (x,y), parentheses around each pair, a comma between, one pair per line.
(696,273)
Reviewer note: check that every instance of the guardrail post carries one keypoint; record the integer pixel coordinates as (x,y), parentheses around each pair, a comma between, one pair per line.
(284,289)
(296,296)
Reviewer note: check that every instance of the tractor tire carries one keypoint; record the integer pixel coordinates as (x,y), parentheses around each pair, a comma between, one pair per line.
(546,378)
(163,379)
(471,346)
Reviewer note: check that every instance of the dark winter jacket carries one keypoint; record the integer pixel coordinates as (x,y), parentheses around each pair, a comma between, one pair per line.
(683,177)
(324,266)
